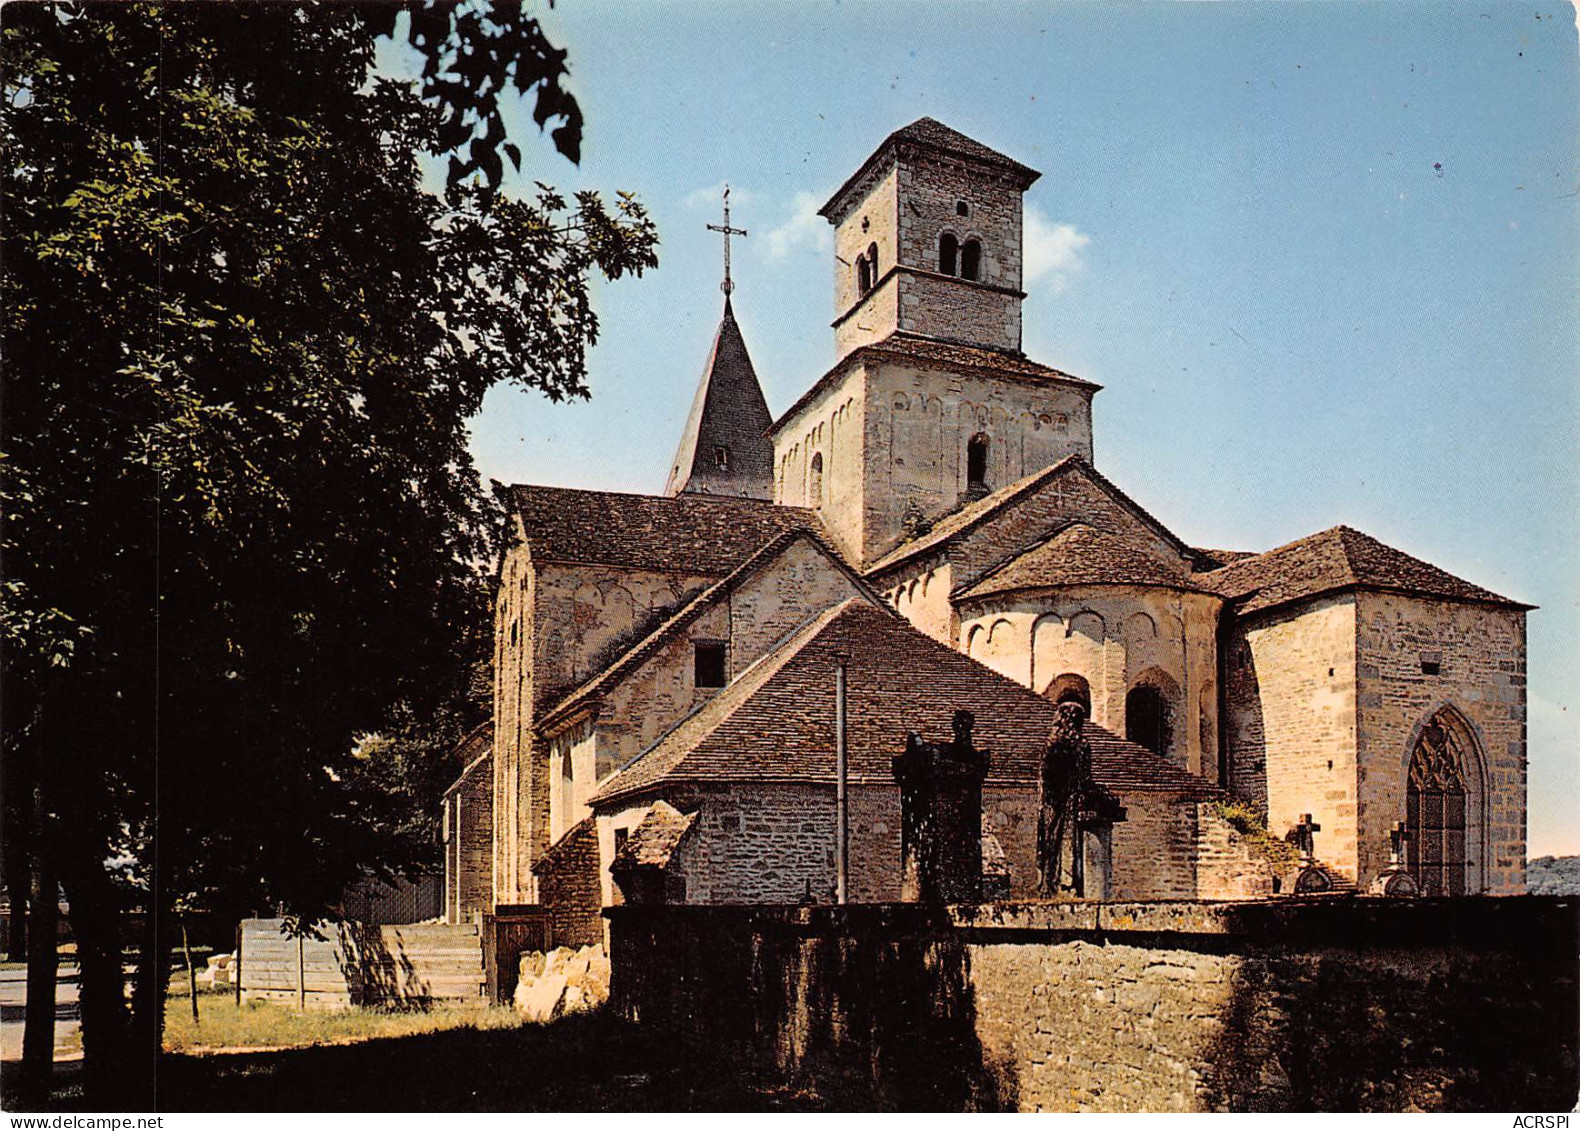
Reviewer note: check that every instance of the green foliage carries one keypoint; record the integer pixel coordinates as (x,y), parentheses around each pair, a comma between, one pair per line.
(1249,824)
(241,526)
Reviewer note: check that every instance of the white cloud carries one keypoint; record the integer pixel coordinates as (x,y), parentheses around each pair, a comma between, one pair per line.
(804,228)
(1052,251)
(712,195)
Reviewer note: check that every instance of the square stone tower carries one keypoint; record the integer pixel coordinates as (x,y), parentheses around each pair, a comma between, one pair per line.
(928,241)
(932,403)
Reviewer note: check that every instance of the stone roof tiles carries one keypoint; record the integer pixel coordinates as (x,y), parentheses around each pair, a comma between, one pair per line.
(1080,554)
(694,534)
(928,133)
(973,514)
(1331,561)
(723,449)
(955,357)
(654,840)
(775,723)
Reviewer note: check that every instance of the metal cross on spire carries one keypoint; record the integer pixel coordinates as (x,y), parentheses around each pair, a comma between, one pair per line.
(727,286)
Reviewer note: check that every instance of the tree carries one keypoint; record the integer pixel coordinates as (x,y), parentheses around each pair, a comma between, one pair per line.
(242,342)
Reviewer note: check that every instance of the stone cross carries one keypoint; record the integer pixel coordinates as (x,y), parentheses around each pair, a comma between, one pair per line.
(941,816)
(1305,842)
(1397,837)
(727,286)
(1070,803)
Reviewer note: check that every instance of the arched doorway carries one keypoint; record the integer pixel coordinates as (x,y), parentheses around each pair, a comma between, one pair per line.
(1147,718)
(1442,798)
(1071,688)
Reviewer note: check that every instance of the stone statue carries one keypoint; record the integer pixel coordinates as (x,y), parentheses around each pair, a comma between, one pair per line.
(941,816)
(1071,802)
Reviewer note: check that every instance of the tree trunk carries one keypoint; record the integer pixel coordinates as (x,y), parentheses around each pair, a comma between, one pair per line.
(38,1034)
(96,920)
(186,953)
(150,989)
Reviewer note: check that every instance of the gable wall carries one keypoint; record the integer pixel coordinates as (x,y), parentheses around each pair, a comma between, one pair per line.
(920,420)
(1482,652)
(1069,496)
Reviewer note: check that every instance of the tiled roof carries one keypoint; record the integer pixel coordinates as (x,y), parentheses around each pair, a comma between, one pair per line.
(697,534)
(729,412)
(933,134)
(952,356)
(1217,559)
(472,750)
(1079,554)
(634,656)
(957,355)
(775,723)
(1333,560)
(979,511)
(653,842)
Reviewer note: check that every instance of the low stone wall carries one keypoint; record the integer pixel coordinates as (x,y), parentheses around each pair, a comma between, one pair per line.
(1337,1004)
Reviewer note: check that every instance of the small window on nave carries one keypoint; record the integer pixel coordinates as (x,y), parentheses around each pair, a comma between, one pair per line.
(976,463)
(970,259)
(708,668)
(814,485)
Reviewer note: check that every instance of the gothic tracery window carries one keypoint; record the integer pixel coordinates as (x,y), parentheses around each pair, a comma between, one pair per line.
(1435,805)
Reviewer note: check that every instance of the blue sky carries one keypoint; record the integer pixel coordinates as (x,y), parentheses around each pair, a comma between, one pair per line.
(1321,256)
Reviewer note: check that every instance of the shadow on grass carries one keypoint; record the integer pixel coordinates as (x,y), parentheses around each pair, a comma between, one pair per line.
(587,1062)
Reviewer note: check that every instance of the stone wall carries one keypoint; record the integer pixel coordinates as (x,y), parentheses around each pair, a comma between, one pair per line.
(1480,653)
(1290,722)
(468,847)
(768,843)
(1341,1004)
(1113,637)
(568,884)
(871,221)
(829,426)
(920,420)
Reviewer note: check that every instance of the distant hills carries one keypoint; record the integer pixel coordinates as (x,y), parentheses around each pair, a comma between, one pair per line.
(1553,875)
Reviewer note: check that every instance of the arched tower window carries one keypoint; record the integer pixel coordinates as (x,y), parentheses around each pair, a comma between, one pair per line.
(1436,807)
(976,463)
(814,485)
(872,262)
(863,275)
(948,253)
(1147,718)
(970,259)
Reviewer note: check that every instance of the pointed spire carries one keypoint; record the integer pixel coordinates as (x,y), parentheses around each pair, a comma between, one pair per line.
(723,450)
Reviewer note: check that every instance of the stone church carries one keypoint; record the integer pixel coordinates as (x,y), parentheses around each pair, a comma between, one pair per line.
(927,524)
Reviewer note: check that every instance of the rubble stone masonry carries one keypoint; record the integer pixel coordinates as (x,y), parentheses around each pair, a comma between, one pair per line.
(1333,1004)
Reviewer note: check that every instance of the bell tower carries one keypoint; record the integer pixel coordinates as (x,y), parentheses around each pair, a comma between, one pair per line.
(928,242)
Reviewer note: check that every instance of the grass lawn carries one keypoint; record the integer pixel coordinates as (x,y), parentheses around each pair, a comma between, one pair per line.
(586,1062)
(267,1025)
